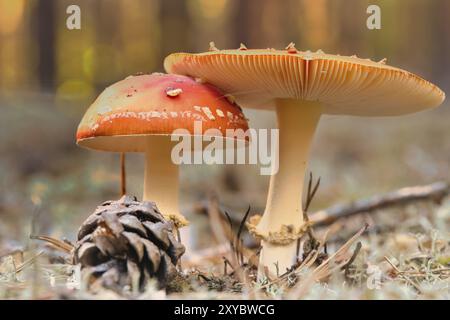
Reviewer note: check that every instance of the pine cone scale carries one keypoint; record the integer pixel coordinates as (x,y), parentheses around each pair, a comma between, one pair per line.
(153,254)
(136,243)
(158,232)
(131,223)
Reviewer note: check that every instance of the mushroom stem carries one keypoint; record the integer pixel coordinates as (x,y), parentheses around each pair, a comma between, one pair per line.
(282,222)
(161,180)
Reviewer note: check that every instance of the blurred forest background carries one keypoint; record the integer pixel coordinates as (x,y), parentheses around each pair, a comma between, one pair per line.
(49,75)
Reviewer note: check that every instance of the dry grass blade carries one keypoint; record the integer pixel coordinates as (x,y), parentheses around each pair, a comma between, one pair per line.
(222,229)
(221,234)
(354,255)
(311,192)
(218,228)
(230,223)
(322,245)
(324,270)
(238,246)
(28,262)
(402,275)
(342,250)
(309,198)
(226,263)
(61,245)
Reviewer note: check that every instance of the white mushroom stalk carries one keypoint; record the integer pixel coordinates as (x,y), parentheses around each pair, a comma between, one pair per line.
(161,180)
(282,223)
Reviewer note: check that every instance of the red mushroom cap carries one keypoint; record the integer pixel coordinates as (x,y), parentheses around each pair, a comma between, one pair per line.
(129,111)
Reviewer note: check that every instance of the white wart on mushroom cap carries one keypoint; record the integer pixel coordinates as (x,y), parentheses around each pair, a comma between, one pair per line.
(301,86)
(140,113)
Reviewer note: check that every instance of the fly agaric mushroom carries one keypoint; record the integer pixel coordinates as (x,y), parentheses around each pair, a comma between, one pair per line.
(301,86)
(139,114)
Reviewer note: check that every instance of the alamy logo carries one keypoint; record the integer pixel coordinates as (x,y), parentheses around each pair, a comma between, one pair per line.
(73,21)
(235,147)
(374,20)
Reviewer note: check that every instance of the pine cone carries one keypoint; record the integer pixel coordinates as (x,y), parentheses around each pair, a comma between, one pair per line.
(127,242)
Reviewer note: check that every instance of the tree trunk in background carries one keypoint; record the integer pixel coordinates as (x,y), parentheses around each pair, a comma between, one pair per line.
(137,35)
(45,14)
(352,21)
(108,20)
(175,26)
(315,25)
(107,66)
(243,22)
(441,48)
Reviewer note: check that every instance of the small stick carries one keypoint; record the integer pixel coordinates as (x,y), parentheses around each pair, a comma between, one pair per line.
(29,261)
(238,237)
(397,270)
(226,263)
(58,244)
(353,257)
(309,198)
(218,228)
(230,222)
(342,249)
(123,182)
(225,271)
(310,193)
(436,191)
(402,275)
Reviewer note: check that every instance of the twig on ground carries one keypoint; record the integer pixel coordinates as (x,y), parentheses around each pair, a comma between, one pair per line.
(222,228)
(313,243)
(239,246)
(352,259)
(223,235)
(58,244)
(226,263)
(310,196)
(230,238)
(402,275)
(218,228)
(435,192)
(28,262)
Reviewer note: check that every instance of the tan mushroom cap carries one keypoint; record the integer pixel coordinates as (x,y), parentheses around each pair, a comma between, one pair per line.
(129,112)
(343,85)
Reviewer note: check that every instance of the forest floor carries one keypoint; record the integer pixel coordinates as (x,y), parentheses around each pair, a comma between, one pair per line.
(398,252)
